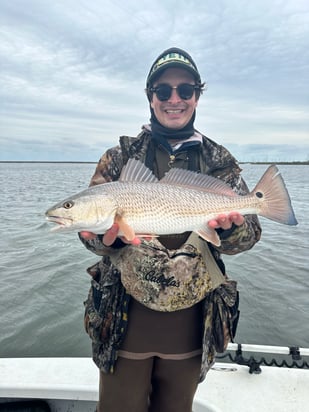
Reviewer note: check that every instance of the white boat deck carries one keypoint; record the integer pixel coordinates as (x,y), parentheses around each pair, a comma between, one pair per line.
(227,388)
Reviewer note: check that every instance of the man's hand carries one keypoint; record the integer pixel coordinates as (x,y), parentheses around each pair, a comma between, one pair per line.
(225,221)
(110,236)
(112,233)
(87,235)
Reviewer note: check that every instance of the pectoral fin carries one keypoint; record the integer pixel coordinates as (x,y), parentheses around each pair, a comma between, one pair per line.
(124,228)
(209,234)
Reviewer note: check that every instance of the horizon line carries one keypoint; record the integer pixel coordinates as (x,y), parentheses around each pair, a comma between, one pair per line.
(287,162)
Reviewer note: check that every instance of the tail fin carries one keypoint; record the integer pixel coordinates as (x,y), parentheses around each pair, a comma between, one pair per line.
(277,203)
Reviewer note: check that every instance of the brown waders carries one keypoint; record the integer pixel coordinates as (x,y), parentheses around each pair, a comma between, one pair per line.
(150,385)
(161,381)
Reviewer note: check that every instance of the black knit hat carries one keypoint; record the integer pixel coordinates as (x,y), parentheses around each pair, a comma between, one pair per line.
(172,57)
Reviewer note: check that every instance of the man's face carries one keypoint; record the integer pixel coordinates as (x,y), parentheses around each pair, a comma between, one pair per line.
(174,113)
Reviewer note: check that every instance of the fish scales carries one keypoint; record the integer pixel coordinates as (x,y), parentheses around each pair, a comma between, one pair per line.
(163,208)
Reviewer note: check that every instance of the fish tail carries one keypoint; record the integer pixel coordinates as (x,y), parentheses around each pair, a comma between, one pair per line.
(276,203)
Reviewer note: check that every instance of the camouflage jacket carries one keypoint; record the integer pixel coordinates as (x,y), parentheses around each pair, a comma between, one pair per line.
(106,309)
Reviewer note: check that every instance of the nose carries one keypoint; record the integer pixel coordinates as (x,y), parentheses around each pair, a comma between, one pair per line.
(174,98)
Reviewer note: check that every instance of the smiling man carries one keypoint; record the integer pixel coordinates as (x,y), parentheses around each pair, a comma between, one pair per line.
(151,305)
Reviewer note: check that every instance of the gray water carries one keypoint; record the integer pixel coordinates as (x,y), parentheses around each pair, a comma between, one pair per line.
(43,279)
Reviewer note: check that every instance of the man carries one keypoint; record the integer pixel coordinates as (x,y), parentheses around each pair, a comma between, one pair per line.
(155,338)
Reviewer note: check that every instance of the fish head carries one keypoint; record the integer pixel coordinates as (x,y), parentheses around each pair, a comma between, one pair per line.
(86,211)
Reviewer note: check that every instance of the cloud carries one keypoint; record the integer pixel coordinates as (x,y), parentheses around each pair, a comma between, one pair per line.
(73,72)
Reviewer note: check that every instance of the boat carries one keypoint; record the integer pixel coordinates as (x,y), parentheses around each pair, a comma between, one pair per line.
(238,382)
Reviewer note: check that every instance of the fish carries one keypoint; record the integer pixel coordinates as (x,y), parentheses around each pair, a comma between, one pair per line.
(181,201)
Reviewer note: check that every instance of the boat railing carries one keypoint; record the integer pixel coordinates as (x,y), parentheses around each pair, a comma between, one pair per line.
(289,356)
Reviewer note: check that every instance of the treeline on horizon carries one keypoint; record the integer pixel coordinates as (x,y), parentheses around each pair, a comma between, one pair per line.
(305,162)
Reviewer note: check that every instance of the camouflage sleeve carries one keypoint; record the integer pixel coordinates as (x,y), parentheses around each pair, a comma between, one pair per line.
(97,246)
(240,238)
(109,167)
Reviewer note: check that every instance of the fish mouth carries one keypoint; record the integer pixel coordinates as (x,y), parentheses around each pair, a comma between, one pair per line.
(62,222)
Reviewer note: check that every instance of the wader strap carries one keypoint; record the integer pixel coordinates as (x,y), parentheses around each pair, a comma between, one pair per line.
(215,273)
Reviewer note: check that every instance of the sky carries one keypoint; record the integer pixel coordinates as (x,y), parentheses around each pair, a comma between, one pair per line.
(72,74)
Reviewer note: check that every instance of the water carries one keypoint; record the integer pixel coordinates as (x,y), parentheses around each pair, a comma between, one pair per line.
(43,281)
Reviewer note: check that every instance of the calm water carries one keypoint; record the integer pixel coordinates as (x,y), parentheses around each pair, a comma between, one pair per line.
(43,281)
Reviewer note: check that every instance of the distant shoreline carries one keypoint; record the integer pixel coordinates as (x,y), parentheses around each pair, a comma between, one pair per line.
(80,162)
(46,161)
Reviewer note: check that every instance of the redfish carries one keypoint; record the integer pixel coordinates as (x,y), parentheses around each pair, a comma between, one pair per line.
(181,201)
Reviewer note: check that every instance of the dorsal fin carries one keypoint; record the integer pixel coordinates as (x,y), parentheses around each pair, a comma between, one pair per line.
(187,178)
(136,171)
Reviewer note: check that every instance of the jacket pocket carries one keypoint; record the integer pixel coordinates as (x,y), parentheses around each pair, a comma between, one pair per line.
(104,305)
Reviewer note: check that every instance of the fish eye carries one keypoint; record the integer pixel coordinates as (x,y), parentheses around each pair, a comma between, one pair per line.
(68,204)
(259,195)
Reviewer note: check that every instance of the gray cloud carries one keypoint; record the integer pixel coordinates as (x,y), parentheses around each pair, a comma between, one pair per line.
(72,72)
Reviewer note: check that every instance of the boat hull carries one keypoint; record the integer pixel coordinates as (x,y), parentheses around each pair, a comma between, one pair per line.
(71,384)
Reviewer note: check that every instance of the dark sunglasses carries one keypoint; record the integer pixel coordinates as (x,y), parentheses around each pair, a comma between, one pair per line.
(184,90)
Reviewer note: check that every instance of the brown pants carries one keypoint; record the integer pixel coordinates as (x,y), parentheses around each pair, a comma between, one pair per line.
(150,385)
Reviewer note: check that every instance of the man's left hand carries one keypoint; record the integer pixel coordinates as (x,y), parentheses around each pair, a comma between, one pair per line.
(225,221)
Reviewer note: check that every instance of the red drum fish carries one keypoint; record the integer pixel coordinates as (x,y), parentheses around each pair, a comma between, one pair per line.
(181,201)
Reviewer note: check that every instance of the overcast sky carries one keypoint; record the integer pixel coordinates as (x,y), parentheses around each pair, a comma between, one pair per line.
(72,73)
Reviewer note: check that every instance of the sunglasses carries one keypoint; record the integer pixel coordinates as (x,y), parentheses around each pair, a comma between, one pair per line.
(184,90)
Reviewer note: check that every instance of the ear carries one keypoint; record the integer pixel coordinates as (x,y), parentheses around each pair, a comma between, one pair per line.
(149,95)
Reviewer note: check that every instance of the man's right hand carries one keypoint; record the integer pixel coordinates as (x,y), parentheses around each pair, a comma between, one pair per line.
(110,236)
